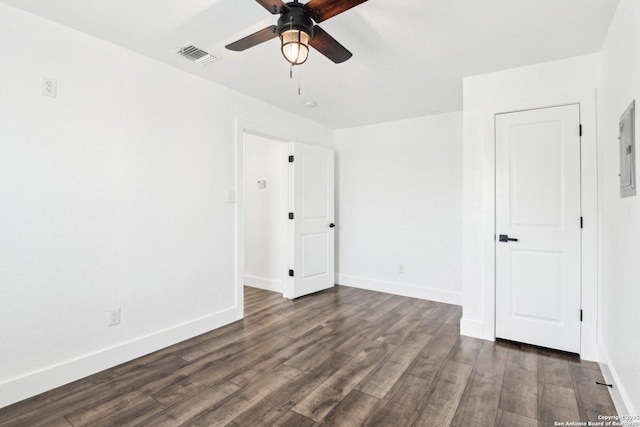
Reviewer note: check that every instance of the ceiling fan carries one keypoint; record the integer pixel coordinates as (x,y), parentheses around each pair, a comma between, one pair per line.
(297,29)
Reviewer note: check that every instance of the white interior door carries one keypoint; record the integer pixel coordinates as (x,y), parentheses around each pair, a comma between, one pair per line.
(312,228)
(538,276)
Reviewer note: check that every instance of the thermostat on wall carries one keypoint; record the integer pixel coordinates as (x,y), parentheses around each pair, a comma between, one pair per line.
(262,183)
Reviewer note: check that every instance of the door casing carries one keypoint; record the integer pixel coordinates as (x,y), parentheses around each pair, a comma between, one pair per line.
(558,233)
(243,127)
(589,196)
(478,318)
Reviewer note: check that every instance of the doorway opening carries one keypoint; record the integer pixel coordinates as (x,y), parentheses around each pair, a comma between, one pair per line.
(265,194)
(285,214)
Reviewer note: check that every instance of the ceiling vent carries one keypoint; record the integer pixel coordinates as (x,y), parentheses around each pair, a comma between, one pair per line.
(196,55)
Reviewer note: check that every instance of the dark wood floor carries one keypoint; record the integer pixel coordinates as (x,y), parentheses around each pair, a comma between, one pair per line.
(341,357)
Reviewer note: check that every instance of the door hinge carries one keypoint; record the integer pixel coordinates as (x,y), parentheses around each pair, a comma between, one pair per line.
(581,222)
(290,273)
(581,315)
(290,215)
(580,130)
(290,159)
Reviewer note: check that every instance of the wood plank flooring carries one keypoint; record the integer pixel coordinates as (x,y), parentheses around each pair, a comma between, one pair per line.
(342,357)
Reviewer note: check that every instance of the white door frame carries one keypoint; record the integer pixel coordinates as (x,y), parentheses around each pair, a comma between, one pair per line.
(589,176)
(564,330)
(243,127)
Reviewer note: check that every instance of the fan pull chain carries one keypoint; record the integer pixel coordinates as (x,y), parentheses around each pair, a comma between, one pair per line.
(299,80)
(291,28)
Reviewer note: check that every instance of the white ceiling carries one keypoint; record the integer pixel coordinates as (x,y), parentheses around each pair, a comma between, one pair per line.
(409,55)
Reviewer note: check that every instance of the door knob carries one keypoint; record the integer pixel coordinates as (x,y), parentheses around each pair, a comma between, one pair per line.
(506,238)
(332,225)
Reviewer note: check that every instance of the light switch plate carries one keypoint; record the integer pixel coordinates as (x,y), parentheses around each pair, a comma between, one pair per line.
(231,196)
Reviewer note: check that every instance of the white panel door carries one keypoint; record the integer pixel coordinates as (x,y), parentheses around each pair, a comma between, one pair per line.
(312,228)
(538,276)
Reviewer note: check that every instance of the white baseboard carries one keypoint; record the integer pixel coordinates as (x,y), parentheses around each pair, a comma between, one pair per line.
(402,289)
(23,387)
(618,393)
(262,283)
(474,329)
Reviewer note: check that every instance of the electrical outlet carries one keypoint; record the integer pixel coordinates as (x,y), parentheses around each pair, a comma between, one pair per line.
(231,196)
(400,268)
(49,87)
(114,317)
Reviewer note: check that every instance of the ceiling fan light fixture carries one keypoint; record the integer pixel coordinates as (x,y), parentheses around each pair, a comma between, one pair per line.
(297,29)
(295,46)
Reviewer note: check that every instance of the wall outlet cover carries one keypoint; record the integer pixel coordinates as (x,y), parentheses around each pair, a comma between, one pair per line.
(231,196)
(49,87)
(114,316)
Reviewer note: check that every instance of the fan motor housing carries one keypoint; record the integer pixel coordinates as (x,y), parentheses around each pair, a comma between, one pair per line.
(295,18)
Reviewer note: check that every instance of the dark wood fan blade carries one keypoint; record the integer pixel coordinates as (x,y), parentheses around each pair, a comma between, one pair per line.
(274,6)
(254,39)
(328,46)
(321,10)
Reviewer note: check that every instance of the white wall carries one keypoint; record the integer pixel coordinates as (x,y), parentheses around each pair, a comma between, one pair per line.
(572,80)
(620,285)
(112,195)
(265,210)
(399,193)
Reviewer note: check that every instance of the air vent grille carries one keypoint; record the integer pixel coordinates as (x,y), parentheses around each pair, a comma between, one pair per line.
(196,55)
